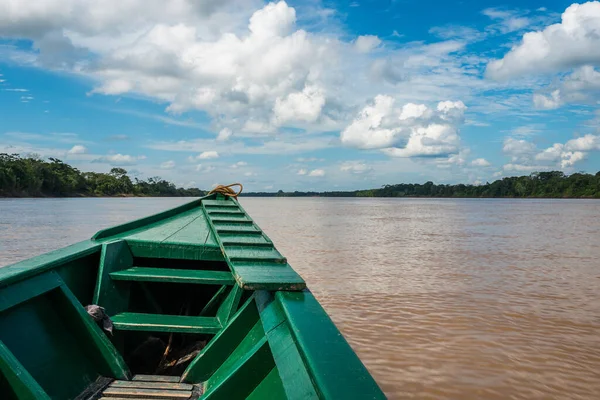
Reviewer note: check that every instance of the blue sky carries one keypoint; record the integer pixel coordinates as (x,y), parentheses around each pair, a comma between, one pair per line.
(305,94)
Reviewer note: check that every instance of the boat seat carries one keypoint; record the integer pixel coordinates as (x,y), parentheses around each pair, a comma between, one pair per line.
(151,387)
(129,321)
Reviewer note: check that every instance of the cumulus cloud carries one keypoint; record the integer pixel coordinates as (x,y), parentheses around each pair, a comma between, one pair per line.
(224,134)
(302,171)
(167,165)
(413,130)
(317,172)
(581,86)
(480,162)
(525,156)
(299,106)
(571,43)
(77,149)
(207,155)
(366,43)
(355,167)
(374,126)
(119,159)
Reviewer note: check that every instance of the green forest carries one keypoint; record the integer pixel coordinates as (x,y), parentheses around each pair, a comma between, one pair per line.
(32,176)
(554,184)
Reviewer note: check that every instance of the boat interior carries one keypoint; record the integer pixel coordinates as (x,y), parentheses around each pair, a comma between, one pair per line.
(194,302)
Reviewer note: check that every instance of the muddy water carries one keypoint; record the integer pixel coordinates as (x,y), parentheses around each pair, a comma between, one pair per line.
(462,299)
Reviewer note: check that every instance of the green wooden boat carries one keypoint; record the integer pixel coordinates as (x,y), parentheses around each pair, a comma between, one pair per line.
(196,303)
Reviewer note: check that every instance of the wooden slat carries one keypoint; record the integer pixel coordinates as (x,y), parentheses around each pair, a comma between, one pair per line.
(165,323)
(152,385)
(155,378)
(252,253)
(145,274)
(146,393)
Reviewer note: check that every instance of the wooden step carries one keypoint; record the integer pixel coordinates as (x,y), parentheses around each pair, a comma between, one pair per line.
(227,214)
(135,393)
(146,274)
(156,378)
(229,228)
(129,321)
(224,210)
(225,220)
(152,385)
(229,239)
(251,253)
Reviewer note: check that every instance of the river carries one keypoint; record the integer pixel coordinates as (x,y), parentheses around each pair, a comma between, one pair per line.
(441,298)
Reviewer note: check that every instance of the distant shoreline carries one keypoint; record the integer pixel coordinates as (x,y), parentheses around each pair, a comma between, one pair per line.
(33,177)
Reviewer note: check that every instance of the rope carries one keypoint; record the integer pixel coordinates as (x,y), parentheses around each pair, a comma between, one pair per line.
(227,190)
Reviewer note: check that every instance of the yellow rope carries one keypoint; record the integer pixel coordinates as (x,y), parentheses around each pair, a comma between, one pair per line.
(227,190)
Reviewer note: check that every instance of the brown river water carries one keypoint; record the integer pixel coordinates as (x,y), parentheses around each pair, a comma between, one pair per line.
(440,298)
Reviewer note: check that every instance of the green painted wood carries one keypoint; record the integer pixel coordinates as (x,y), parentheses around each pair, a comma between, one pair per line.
(222,345)
(142,222)
(111,295)
(222,211)
(269,388)
(266,276)
(145,274)
(165,323)
(155,378)
(23,385)
(293,373)
(99,348)
(17,293)
(329,358)
(213,304)
(41,335)
(253,253)
(246,247)
(229,305)
(42,263)
(231,228)
(248,369)
(219,203)
(198,251)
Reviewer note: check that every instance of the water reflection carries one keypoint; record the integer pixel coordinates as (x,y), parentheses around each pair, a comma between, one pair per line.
(441,299)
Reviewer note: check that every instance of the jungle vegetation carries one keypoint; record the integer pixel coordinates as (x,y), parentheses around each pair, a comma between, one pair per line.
(31,176)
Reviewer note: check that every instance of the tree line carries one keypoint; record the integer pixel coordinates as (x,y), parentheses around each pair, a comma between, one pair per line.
(32,176)
(553,184)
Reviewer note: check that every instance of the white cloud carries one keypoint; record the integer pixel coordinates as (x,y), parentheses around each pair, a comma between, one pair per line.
(355,167)
(507,20)
(316,172)
(167,165)
(224,134)
(239,164)
(581,86)
(207,155)
(480,162)
(366,43)
(526,156)
(302,171)
(299,106)
(119,159)
(518,148)
(584,143)
(571,43)
(77,149)
(424,131)
(373,127)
